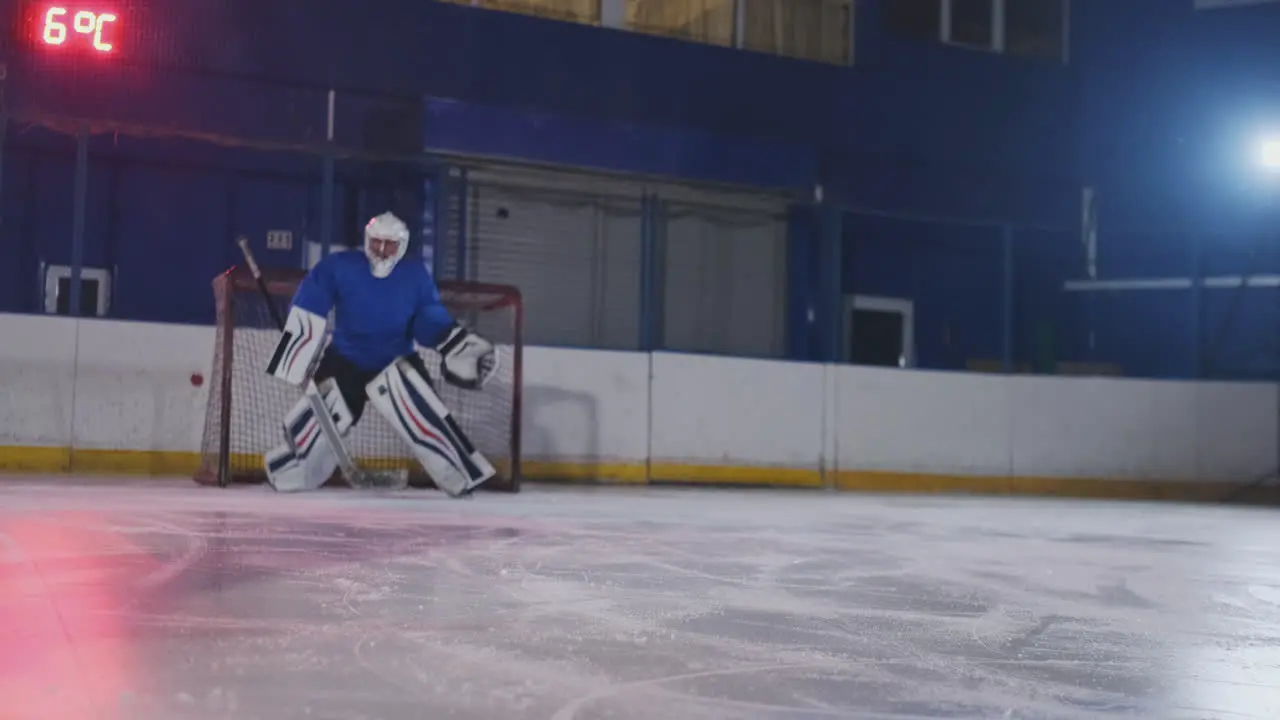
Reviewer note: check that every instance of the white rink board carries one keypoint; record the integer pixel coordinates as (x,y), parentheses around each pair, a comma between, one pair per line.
(585,406)
(1104,428)
(1237,426)
(37,379)
(922,422)
(711,410)
(108,385)
(133,385)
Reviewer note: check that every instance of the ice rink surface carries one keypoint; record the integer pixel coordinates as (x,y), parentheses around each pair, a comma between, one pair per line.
(149,600)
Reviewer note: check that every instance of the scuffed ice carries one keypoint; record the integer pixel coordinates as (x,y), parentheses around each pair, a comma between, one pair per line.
(142,600)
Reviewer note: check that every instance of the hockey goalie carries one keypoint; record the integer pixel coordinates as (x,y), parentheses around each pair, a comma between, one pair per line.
(380,308)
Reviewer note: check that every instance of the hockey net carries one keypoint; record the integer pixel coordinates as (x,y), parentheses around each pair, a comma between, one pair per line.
(246,406)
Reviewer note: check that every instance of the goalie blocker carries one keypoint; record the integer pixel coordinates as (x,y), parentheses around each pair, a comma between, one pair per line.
(401,392)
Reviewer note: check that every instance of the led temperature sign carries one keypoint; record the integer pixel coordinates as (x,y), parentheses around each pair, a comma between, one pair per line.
(69,25)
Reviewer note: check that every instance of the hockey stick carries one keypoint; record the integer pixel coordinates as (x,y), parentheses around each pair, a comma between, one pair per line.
(354,476)
(256,272)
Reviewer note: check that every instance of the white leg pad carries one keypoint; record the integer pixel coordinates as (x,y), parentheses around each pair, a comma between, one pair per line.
(305,460)
(418,416)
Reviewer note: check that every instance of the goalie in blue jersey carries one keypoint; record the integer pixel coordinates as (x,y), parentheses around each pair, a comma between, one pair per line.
(380,308)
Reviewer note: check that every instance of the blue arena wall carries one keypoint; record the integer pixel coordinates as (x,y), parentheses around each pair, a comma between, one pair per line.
(894,134)
(690,109)
(1173,102)
(929,157)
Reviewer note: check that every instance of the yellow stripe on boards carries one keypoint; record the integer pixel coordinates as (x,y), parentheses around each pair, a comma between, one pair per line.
(731,475)
(54,460)
(1089,488)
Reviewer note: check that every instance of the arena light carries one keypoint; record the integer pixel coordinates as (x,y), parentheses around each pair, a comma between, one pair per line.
(1269,154)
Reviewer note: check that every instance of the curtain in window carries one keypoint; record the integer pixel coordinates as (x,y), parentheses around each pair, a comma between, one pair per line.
(808,29)
(973,23)
(918,19)
(581,11)
(1035,28)
(708,21)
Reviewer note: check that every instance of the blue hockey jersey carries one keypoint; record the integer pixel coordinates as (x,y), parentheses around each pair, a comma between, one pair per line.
(375,320)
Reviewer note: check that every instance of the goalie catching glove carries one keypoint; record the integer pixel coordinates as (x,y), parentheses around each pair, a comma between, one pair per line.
(468,360)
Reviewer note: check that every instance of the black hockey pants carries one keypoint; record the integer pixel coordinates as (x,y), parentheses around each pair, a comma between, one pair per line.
(351,380)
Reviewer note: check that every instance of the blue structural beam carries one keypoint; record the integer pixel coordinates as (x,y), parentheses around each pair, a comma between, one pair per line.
(815,296)
(1007,300)
(830,277)
(652,255)
(78,210)
(435,198)
(1194,247)
(443,186)
(327,185)
(4,137)
(327,189)
(463,189)
(801,302)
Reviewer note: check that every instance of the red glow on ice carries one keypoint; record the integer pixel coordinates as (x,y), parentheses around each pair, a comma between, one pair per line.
(64,25)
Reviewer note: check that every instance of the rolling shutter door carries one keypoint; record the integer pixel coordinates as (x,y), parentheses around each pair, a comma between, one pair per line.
(725,288)
(574,255)
(572,243)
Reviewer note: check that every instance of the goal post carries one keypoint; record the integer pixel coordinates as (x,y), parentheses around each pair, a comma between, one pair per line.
(246,405)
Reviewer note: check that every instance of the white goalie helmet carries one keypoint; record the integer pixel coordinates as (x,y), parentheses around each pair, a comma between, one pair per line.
(386,239)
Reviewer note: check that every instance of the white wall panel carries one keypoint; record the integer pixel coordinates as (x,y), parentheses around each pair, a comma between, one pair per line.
(37,379)
(585,405)
(1236,430)
(734,411)
(922,422)
(133,385)
(1103,428)
(127,386)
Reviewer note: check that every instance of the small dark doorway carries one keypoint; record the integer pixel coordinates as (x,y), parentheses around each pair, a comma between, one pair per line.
(879,338)
(878,332)
(95,291)
(88,297)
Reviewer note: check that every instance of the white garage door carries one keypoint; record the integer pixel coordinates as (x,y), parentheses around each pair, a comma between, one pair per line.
(572,243)
(725,285)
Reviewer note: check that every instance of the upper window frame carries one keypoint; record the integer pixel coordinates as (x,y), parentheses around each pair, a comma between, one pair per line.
(999,31)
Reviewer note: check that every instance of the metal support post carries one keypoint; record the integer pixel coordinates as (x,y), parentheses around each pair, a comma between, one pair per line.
(78,210)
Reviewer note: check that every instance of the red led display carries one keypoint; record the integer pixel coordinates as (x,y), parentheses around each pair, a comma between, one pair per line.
(76,26)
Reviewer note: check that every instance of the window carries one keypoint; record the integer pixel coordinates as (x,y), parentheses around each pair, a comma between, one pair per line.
(95,291)
(1033,28)
(921,19)
(706,21)
(579,11)
(1216,4)
(971,22)
(810,29)
(820,30)
(1036,28)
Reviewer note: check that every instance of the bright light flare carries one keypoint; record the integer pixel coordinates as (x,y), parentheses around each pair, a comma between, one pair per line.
(1269,154)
